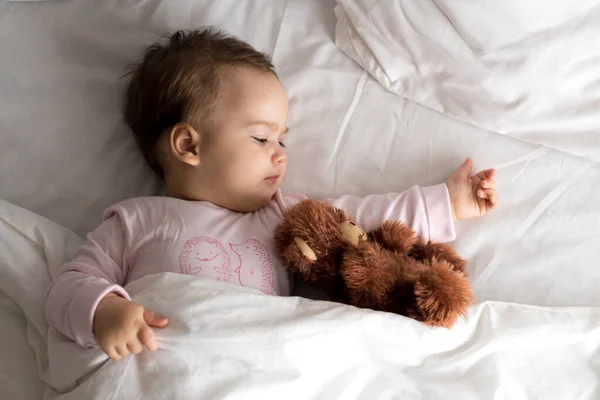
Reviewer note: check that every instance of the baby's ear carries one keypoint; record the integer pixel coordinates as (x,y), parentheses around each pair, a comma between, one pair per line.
(184,144)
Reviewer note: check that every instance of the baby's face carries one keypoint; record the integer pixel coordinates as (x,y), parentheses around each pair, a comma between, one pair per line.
(244,155)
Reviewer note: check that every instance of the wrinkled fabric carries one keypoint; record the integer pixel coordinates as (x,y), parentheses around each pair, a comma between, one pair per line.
(524,69)
(224,342)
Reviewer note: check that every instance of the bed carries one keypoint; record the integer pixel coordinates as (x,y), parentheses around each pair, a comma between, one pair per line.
(383,95)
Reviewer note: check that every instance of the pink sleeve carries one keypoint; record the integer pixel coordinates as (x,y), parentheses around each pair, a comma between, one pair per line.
(426,210)
(98,268)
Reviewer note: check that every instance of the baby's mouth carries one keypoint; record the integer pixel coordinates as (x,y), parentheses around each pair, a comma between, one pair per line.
(272,179)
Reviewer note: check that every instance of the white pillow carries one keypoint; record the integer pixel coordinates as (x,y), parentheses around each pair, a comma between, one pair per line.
(32,250)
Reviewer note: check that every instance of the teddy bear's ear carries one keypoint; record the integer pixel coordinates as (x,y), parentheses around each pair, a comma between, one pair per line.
(305,249)
(352,232)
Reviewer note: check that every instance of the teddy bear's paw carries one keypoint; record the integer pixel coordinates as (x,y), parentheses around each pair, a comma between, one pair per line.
(369,273)
(394,236)
(423,251)
(442,294)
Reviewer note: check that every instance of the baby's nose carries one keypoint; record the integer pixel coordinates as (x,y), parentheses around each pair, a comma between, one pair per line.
(279,156)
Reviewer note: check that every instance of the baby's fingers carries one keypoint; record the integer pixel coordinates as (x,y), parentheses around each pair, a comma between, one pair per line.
(488,194)
(123,350)
(112,353)
(486,174)
(488,184)
(109,348)
(154,319)
(135,346)
(148,338)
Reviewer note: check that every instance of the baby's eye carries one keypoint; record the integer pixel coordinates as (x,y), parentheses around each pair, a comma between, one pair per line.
(282,145)
(259,140)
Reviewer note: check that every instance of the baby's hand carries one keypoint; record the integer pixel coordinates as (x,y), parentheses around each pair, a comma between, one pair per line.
(123,327)
(471,196)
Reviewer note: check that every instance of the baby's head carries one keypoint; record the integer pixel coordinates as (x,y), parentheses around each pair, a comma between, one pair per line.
(209,115)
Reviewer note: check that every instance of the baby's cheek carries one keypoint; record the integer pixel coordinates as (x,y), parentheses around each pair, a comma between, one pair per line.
(242,177)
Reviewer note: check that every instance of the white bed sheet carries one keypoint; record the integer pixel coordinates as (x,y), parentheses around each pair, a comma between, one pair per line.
(524,69)
(228,342)
(18,369)
(66,154)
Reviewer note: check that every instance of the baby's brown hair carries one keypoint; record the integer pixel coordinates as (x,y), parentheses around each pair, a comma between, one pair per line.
(178,81)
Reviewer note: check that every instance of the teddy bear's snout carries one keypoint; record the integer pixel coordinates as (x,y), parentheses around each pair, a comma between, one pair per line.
(352,232)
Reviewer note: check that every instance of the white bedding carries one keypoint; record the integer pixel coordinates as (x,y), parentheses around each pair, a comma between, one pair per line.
(229,342)
(66,155)
(528,69)
(18,370)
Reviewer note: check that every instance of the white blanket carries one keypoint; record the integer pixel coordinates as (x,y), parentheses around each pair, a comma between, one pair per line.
(228,342)
(528,69)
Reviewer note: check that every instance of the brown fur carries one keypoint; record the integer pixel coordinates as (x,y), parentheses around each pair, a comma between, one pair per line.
(423,251)
(393,271)
(442,295)
(395,236)
(369,274)
(318,225)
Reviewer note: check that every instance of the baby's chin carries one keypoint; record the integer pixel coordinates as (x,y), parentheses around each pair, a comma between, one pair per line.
(249,205)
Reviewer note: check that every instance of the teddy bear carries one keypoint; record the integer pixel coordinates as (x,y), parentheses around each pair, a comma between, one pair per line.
(386,269)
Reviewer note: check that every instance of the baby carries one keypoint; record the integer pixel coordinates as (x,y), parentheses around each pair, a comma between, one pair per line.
(209,113)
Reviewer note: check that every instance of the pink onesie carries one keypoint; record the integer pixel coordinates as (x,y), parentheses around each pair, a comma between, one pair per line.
(149,235)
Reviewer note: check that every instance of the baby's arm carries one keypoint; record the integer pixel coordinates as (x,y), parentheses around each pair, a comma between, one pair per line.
(86,301)
(426,210)
(98,268)
(429,211)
